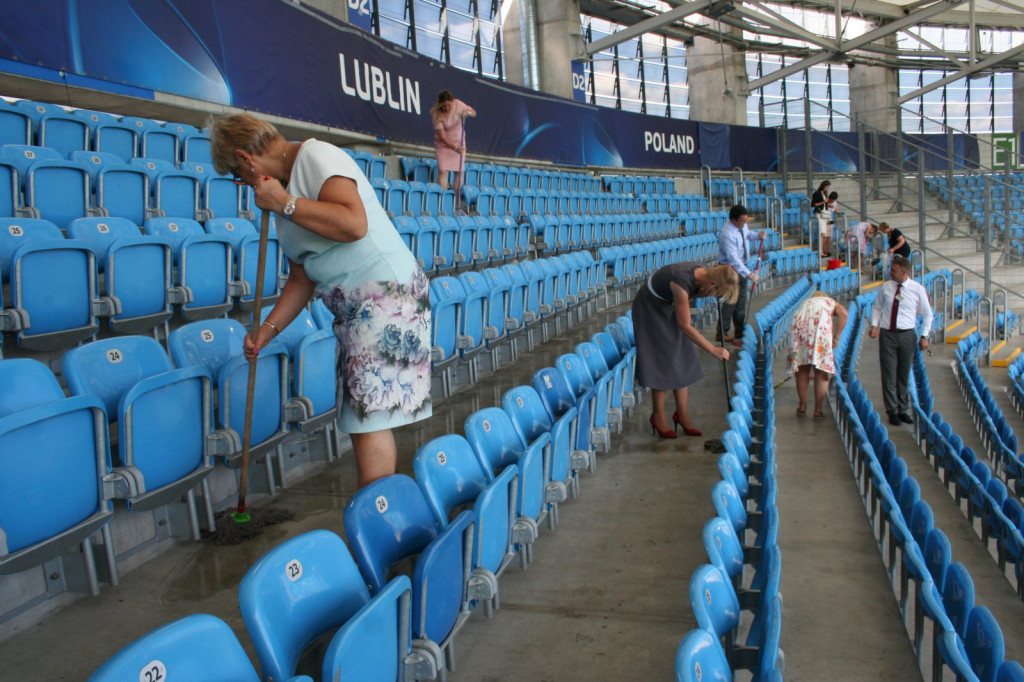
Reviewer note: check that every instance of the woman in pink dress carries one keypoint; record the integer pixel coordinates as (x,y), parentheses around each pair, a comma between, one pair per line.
(812,338)
(450,137)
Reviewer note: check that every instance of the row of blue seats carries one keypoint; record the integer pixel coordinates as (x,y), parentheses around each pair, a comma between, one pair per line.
(835,283)
(420,169)
(638,184)
(744,569)
(520,202)
(511,470)
(487,310)
(172,420)
(629,263)
(670,202)
(107,268)
(792,263)
(26,122)
(38,182)
(965,637)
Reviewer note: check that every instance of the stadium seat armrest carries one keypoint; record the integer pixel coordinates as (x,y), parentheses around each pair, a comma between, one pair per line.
(223,442)
(14,319)
(106,306)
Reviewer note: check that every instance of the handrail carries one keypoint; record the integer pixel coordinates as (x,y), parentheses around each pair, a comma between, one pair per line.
(963,294)
(945,301)
(991,327)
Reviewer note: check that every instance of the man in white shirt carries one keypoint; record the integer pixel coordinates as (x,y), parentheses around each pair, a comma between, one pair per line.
(893,320)
(734,243)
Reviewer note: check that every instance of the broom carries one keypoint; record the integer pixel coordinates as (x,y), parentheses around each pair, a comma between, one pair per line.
(232,527)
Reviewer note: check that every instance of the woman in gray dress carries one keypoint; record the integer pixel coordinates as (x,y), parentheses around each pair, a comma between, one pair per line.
(667,341)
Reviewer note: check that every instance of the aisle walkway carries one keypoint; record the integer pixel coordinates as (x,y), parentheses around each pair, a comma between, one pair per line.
(607,595)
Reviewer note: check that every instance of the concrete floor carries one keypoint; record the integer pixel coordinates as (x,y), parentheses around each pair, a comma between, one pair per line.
(606,597)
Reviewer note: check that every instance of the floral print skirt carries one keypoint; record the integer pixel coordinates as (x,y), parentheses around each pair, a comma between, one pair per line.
(383,360)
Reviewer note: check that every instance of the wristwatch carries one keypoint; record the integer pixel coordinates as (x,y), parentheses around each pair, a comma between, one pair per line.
(289,208)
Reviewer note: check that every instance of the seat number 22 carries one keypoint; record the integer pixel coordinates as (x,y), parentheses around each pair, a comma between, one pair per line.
(154,671)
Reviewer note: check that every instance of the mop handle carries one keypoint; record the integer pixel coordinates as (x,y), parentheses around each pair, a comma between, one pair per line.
(462,160)
(250,389)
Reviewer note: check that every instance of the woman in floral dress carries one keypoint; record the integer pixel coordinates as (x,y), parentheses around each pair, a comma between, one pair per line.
(341,246)
(812,338)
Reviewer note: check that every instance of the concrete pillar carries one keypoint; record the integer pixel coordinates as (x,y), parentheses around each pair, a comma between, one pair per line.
(1018,102)
(873,93)
(560,40)
(717,76)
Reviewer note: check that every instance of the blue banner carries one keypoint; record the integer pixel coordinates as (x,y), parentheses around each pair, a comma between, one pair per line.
(290,60)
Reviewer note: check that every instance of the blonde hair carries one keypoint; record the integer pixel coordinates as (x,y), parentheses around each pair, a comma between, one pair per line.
(726,281)
(238,131)
(820,294)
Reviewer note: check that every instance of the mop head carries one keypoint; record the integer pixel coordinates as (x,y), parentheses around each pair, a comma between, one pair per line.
(714,446)
(232,527)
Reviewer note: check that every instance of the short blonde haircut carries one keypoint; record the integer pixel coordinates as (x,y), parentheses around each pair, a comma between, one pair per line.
(726,281)
(238,131)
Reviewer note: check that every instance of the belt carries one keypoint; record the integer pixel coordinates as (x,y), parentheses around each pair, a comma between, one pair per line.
(897,331)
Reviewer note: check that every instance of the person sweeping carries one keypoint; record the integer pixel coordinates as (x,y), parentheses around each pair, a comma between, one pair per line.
(342,247)
(667,341)
(734,250)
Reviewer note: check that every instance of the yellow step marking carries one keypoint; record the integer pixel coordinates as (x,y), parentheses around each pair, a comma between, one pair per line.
(1005,362)
(954,338)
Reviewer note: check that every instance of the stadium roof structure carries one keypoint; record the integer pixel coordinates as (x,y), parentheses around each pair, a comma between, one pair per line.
(849,31)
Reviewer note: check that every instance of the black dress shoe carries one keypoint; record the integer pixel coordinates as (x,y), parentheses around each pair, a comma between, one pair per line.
(894,419)
(906,418)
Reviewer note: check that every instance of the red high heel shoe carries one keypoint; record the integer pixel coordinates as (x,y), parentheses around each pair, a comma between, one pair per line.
(688,431)
(662,434)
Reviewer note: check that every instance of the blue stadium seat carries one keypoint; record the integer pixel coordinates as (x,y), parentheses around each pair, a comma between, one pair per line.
(173,193)
(55,127)
(389,521)
(307,587)
(532,421)
(52,284)
(109,135)
(217,346)
(700,658)
(195,147)
(53,500)
(162,416)
(183,650)
(122,191)
(15,125)
(984,643)
(245,240)
(137,272)
(451,478)
(202,265)
(497,445)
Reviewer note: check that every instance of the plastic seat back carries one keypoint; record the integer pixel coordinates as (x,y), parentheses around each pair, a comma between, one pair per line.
(27,383)
(299,590)
(958,596)
(389,520)
(700,658)
(723,546)
(714,600)
(984,643)
(182,650)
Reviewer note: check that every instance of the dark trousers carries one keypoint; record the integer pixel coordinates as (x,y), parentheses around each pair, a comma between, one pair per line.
(736,313)
(896,355)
